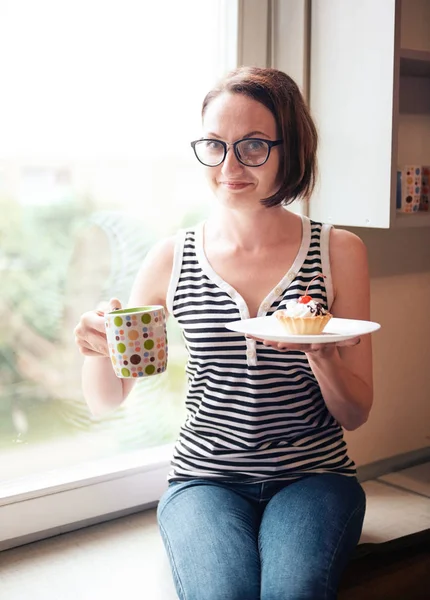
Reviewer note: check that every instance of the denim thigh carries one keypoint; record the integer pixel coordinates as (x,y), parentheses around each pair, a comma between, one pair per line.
(308,532)
(211,537)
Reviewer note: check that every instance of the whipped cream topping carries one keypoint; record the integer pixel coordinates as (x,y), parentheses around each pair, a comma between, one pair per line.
(296,309)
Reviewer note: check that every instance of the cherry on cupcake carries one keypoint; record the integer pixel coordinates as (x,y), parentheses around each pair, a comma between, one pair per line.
(306,298)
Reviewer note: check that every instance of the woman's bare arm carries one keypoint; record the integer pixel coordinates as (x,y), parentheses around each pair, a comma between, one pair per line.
(344,372)
(102,389)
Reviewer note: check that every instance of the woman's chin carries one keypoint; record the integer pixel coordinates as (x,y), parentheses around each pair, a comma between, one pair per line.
(237,197)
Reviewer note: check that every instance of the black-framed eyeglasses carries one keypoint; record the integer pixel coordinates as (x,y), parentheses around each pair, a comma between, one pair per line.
(251,152)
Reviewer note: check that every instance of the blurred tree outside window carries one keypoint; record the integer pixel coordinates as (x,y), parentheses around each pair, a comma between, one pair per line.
(100,101)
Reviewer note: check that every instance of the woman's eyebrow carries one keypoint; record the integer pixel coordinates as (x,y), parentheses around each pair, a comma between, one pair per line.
(249,134)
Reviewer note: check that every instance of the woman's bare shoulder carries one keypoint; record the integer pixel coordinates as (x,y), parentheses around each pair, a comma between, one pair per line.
(162,252)
(344,243)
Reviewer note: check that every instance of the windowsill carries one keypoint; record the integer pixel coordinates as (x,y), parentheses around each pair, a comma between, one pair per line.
(50,503)
(127,554)
(98,471)
(60,501)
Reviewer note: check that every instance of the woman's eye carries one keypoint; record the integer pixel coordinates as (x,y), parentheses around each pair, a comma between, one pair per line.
(254,145)
(212,145)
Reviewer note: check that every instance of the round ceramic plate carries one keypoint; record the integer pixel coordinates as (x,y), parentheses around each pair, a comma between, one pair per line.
(336,330)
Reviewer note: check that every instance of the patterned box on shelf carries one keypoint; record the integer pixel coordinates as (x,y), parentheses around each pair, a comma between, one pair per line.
(425,186)
(408,196)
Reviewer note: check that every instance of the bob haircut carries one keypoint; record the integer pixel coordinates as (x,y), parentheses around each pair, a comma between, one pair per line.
(281,95)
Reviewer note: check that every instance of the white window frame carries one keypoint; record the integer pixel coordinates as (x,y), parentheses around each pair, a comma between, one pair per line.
(47,504)
(32,508)
(289,44)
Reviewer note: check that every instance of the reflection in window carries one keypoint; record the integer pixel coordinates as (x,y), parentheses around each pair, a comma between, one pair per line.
(95,166)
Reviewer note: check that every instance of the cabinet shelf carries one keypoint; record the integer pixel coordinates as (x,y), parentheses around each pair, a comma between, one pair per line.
(414,63)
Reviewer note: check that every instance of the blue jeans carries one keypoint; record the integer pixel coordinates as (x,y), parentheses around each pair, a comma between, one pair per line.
(261,541)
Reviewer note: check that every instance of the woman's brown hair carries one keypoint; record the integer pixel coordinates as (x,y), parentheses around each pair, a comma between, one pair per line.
(281,95)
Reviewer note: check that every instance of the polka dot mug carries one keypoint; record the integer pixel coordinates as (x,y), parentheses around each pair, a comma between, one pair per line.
(137,341)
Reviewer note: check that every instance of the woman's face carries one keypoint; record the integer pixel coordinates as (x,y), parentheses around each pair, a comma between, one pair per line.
(232,117)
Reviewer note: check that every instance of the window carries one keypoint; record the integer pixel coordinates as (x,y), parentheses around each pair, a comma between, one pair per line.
(99,103)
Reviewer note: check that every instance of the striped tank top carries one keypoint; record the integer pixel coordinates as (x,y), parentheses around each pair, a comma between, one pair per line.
(254,414)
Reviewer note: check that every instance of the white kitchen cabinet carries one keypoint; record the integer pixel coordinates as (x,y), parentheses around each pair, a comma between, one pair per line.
(370,96)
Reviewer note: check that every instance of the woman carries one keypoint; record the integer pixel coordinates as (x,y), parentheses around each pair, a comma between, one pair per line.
(263,501)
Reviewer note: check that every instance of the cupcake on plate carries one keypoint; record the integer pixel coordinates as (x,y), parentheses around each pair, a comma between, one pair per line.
(304,316)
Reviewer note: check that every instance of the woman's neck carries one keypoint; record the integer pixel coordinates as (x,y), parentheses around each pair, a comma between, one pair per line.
(251,230)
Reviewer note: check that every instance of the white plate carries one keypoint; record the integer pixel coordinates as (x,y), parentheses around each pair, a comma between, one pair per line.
(336,330)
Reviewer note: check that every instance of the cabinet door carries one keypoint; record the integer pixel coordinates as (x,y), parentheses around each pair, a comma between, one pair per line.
(351,98)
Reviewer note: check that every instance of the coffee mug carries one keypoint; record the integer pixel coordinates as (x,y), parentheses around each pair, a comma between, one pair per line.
(137,341)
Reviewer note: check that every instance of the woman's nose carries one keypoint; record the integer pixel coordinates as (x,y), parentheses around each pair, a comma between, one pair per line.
(231,164)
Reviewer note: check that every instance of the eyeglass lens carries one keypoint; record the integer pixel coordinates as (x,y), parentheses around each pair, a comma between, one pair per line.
(251,152)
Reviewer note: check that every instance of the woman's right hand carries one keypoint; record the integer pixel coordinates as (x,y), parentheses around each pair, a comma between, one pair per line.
(90,334)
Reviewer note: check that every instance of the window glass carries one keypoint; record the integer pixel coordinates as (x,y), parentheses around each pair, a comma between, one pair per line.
(100,101)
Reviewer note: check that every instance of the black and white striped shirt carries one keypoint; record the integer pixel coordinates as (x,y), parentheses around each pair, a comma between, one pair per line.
(253,413)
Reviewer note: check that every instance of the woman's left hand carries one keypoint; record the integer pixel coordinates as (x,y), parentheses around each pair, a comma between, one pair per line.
(325,350)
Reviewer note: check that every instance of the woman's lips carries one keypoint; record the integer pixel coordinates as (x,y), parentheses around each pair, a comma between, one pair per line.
(235,185)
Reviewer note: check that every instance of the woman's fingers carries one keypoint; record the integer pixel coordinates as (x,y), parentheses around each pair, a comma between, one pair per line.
(351,342)
(281,346)
(89,322)
(326,348)
(114,304)
(104,306)
(93,341)
(90,332)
